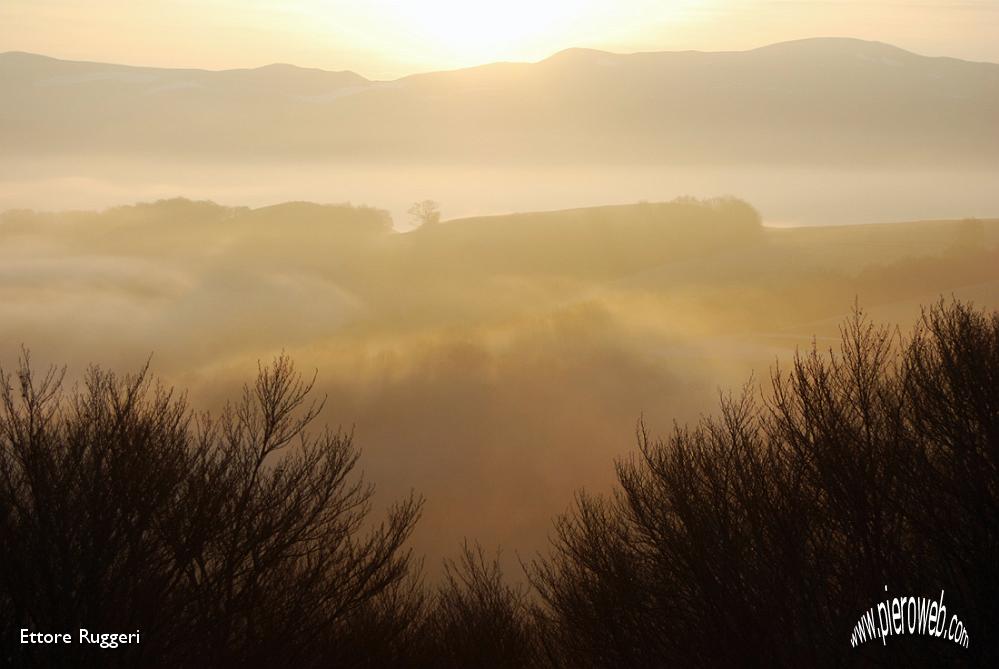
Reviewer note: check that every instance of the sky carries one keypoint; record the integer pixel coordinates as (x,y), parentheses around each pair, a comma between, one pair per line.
(385,39)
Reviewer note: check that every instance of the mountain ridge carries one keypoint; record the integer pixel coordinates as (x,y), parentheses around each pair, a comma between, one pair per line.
(828,101)
(569,51)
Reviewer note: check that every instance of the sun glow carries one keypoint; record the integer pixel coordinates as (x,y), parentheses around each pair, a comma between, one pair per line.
(386,39)
(468,32)
(484,30)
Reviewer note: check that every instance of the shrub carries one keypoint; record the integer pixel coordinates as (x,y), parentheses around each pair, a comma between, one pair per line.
(759,537)
(229,540)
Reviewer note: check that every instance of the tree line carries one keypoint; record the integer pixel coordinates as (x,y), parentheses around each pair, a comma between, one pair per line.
(756,537)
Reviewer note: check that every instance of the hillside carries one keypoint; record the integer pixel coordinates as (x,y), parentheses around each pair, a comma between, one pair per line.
(819,102)
(476,349)
(698,253)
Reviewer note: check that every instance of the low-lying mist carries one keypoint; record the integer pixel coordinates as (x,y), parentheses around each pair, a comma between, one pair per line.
(785,195)
(495,365)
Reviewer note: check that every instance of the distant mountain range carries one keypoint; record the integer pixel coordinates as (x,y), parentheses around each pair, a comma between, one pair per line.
(809,102)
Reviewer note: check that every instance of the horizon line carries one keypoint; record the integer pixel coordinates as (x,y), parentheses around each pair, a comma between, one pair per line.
(556,54)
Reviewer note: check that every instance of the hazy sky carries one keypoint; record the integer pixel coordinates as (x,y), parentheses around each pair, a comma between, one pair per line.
(390,38)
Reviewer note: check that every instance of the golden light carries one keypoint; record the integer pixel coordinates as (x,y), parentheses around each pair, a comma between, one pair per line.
(470,27)
(464,32)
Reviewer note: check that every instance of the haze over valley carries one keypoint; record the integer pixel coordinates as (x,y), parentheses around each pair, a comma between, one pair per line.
(483,357)
(496,364)
(820,131)
(474,335)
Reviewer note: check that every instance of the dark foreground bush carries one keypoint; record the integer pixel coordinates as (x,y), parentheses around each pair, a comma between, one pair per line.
(760,537)
(476,619)
(231,541)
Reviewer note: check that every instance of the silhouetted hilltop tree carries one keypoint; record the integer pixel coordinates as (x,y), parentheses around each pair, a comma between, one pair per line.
(759,537)
(425,213)
(232,540)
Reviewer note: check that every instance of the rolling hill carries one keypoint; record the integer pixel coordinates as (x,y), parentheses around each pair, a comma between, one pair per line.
(813,102)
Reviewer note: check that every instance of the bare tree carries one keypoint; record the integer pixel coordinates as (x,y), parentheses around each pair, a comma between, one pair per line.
(756,537)
(425,213)
(776,524)
(236,540)
(477,619)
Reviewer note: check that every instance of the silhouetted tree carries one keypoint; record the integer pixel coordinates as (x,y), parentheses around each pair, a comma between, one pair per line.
(232,540)
(425,212)
(476,619)
(758,538)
